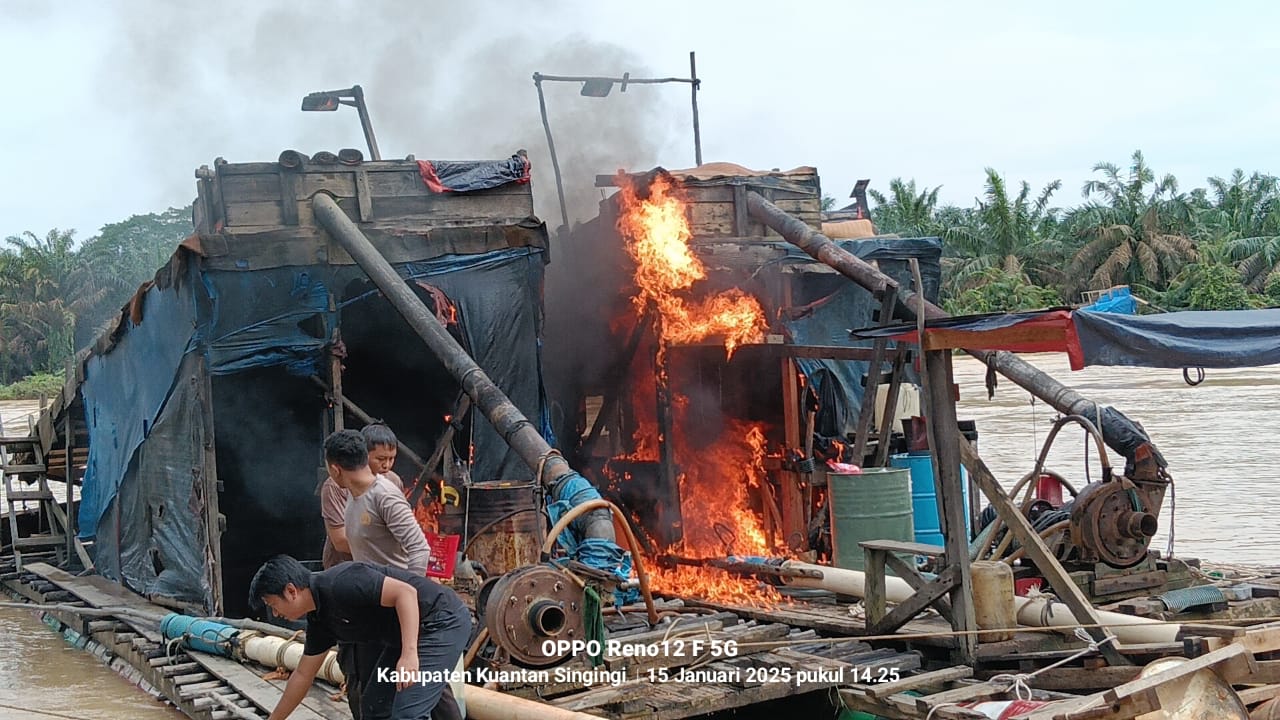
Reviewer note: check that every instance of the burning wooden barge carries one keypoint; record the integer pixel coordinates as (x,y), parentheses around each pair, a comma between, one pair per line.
(733,381)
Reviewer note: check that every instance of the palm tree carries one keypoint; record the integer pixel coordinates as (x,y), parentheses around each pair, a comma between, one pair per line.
(1014,235)
(906,211)
(1244,219)
(1135,230)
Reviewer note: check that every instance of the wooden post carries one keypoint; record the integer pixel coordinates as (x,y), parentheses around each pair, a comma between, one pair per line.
(335,380)
(794,531)
(69,527)
(211,486)
(1037,551)
(668,486)
(944,441)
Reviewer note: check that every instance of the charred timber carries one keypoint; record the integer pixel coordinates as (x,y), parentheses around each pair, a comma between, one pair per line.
(506,418)
(1121,433)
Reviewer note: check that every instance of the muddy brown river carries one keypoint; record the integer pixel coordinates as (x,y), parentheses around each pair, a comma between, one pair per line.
(1219,438)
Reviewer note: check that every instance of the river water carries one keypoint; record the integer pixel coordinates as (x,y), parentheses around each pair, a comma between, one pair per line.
(44,677)
(1219,439)
(41,675)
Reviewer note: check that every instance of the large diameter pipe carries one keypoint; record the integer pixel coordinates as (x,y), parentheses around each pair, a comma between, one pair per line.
(821,248)
(1032,612)
(485,704)
(506,418)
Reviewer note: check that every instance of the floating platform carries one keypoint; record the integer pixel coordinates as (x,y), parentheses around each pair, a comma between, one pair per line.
(798,652)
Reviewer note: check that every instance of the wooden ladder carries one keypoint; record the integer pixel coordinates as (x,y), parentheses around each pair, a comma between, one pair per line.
(880,354)
(22,457)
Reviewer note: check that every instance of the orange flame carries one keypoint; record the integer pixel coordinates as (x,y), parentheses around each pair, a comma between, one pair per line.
(657,236)
(719,519)
(720,486)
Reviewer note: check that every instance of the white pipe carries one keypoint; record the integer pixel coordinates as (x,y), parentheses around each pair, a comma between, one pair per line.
(274,652)
(1127,628)
(493,705)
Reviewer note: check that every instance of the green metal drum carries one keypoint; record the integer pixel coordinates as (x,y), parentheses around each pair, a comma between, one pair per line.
(875,505)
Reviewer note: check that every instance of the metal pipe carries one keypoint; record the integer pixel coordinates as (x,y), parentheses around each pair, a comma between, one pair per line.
(628,80)
(506,418)
(551,145)
(1062,398)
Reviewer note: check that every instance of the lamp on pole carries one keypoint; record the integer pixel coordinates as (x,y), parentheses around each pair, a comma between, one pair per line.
(329,100)
(600,86)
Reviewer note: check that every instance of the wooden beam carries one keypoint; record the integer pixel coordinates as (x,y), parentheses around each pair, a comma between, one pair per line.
(366,418)
(335,379)
(937,678)
(944,438)
(794,532)
(912,606)
(890,407)
(616,378)
(917,582)
(871,381)
(1037,551)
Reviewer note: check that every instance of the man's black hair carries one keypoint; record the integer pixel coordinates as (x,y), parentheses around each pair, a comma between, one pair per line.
(346,449)
(273,576)
(378,435)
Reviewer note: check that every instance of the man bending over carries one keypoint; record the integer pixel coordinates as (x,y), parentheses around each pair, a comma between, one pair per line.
(421,626)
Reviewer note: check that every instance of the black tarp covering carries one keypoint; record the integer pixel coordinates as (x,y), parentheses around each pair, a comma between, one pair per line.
(142,400)
(449,176)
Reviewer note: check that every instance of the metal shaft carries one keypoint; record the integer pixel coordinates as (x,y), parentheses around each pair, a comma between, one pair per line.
(506,418)
(1023,374)
(551,146)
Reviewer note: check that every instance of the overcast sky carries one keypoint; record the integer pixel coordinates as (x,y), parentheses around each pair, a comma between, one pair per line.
(110,105)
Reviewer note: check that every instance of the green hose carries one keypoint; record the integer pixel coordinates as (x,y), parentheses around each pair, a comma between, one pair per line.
(593,618)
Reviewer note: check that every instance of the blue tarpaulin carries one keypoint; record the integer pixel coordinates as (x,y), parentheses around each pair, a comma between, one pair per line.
(1187,339)
(143,391)
(1207,339)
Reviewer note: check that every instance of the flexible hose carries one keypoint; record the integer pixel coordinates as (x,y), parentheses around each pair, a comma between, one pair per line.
(474,650)
(1025,481)
(1044,535)
(598,504)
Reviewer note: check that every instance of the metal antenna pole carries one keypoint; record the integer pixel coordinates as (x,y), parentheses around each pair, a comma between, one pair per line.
(365,124)
(551,145)
(697,133)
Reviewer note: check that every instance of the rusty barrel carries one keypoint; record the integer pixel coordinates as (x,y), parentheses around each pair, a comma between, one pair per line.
(516,533)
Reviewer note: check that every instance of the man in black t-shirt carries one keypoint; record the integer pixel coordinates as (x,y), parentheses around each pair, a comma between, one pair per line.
(421,625)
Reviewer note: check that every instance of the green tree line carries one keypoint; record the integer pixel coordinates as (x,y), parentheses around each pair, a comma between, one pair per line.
(1210,248)
(57,295)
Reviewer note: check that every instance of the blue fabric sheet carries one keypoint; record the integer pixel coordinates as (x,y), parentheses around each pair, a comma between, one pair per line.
(570,492)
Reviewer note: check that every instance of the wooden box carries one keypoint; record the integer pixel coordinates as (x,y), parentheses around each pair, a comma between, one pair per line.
(250,198)
(717,197)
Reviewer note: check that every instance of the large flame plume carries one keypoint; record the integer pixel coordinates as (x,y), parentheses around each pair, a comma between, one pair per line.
(657,235)
(719,485)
